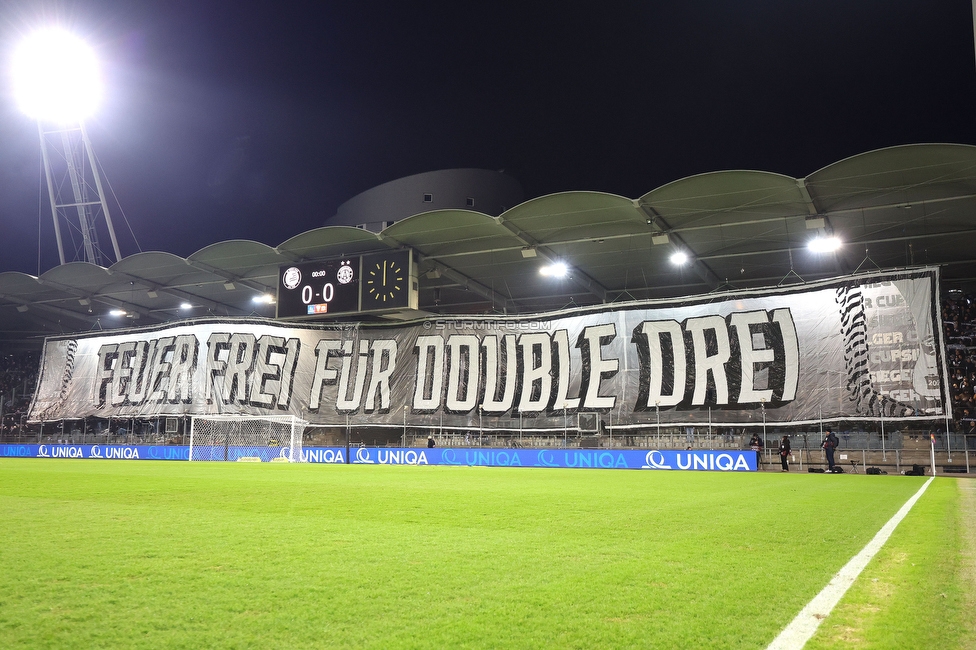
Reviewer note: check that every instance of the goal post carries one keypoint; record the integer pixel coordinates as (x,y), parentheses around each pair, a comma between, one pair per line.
(267,438)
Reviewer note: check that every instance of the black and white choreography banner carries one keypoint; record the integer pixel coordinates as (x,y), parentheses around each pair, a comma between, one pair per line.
(864,347)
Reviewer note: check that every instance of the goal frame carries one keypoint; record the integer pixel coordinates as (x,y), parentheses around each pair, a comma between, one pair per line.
(293,444)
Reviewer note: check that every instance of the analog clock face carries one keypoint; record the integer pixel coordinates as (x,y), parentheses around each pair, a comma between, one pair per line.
(385,282)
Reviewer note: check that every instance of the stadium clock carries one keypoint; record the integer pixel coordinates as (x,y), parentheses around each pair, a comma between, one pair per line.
(319,288)
(386,279)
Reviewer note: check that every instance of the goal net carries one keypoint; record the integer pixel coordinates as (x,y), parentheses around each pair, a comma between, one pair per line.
(246,438)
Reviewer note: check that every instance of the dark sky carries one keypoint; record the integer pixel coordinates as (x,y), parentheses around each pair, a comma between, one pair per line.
(255,120)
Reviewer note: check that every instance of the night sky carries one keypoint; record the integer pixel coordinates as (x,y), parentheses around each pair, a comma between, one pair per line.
(247,120)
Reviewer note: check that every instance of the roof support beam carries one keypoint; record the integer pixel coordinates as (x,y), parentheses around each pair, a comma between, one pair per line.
(472,285)
(660,224)
(801,184)
(107,300)
(58,311)
(230,277)
(181,294)
(826,214)
(576,275)
(456,276)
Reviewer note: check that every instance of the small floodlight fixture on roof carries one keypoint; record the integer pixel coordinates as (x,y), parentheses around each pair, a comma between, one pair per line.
(679,258)
(824,244)
(56,77)
(263,299)
(555,270)
(185,305)
(116,312)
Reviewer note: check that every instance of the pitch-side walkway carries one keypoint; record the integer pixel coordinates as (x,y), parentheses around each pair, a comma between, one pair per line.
(795,635)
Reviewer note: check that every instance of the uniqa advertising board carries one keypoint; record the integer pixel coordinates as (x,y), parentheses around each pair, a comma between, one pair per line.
(667,459)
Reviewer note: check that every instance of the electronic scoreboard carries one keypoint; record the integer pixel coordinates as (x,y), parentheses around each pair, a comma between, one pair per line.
(375,282)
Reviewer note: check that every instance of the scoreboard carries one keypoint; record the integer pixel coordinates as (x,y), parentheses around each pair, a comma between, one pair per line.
(376,282)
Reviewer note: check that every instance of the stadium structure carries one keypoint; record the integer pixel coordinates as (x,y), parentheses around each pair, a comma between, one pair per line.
(472,249)
(892,208)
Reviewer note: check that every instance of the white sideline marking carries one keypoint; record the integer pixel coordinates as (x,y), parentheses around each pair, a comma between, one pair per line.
(795,635)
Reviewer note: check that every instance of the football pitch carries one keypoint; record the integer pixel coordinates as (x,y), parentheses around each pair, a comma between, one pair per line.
(171,554)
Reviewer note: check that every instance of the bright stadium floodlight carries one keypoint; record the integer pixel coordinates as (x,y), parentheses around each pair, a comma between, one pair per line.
(56,81)
(263,299)
(679,258)
(824,244)
(555,270)
(56,77)
(116,312)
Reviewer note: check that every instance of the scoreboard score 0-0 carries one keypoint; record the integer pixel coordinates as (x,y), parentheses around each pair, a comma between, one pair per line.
(313,288)
(375,282)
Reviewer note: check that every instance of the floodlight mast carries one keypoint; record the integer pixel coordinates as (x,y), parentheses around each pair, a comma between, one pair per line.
(71,149)
(56,79)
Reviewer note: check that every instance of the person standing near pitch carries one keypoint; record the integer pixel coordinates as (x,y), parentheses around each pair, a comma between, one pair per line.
(829,445)
(784,453)
(756,444)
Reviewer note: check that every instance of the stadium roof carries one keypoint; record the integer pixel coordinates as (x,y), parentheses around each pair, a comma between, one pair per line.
(901,206)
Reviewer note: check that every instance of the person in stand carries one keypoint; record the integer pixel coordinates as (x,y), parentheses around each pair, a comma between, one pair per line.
(430,442)
(784,453)
(829,445)
(756,444)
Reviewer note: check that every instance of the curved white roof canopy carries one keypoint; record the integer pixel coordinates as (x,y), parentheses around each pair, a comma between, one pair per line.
(895,207)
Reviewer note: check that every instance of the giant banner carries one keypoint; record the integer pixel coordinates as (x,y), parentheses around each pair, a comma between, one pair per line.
(859,347)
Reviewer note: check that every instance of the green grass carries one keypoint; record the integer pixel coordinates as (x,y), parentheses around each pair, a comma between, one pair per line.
(146,554)
(914,593)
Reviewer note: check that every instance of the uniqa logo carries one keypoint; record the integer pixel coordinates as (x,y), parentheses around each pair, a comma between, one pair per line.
(546,459)
(400,457)
(655,460)
(323,456)
(16,450)
(492,458)
(704,460)
(67,452)
(362,456)
(42,452)
(711,461)
(604,459)
(122,453)
(448,457)
(169,453)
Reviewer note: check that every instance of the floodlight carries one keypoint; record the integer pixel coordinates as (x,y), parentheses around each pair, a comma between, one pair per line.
(679,258)
(185,305)
(555,270)
(264,299)
(824,244)
(55,76)
(116,312)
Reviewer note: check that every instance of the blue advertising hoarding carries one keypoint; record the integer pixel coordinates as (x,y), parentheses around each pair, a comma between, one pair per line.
(667,459)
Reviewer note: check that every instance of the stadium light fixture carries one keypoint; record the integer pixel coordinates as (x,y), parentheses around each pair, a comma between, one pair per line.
(56,81)
(185,305)
(679,258)
(116,312)
(555,270)
(263,299)
(56,77)
(824,244)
